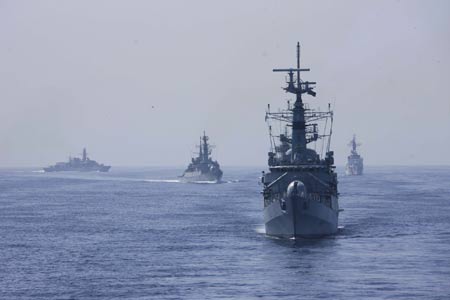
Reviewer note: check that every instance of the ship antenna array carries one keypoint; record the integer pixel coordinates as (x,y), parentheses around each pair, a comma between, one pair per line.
(302,87)
(271,138)
(298,66)
(331,126)
(324,133)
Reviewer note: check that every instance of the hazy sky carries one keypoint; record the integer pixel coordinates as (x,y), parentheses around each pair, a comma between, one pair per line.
(136,82)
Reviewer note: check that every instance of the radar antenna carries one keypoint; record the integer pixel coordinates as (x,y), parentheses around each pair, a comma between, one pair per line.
(298,87)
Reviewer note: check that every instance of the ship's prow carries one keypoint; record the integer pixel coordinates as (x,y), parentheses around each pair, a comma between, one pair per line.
(202,168)
(300,190)
(355,163)
(198,177)
(104,168)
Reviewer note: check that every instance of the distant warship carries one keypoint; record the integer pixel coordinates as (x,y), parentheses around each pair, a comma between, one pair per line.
(354,160)
(300,191)
(202,167)
(83,164)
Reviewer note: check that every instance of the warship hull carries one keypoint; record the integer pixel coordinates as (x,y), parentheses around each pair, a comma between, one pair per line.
(300,219)
(354,167)
(203,168)
(354,164)
(76,164)
(81,169)
(200,177)
(300,191)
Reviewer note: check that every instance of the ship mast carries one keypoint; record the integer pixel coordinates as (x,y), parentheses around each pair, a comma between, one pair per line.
(205,147)
(200,148)
(84,154)
(353,144)
(298,87)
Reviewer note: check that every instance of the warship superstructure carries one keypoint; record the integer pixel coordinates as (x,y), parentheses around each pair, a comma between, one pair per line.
(202,168)
(300,191)
(354,164)
(83,164)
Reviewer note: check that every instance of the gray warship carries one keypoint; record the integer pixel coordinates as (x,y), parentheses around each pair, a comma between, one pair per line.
(202,168)
(354,164)
(300,191)
(83,164)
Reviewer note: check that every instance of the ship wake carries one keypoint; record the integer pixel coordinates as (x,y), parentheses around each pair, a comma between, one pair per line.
(163,180)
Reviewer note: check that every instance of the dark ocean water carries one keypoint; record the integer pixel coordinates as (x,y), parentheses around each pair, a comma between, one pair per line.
(139,234)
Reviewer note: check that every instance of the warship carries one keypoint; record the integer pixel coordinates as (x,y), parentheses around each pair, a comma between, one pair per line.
(300,190)
(83,164)
(202,167)
(354,164)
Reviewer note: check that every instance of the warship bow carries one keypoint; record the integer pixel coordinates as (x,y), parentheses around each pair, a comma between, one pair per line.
(300,190)
(202,168)
(354,164)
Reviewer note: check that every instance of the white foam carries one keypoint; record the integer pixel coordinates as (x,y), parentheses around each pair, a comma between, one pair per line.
(204,182)
(261,229)
(163,180)
(233,181)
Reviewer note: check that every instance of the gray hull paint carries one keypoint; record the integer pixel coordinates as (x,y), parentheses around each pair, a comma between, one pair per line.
(354,167)
(301,219)
(300,191)
(76,164)
(87,169)
(198,177)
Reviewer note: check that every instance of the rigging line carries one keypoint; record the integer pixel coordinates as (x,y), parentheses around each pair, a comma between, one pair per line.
(270,139)
(323,140)
(331,126)
(276,180)
(280,124)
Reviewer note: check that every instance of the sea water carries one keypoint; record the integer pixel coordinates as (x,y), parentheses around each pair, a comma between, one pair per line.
(139,233)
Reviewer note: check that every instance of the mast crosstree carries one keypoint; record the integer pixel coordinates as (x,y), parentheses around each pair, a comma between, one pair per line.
(300,118)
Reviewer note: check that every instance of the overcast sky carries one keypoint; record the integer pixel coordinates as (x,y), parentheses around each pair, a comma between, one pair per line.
(136,82)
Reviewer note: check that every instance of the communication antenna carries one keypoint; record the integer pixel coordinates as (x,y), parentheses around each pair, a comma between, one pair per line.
(325,132)
(331,127)
(272,142)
